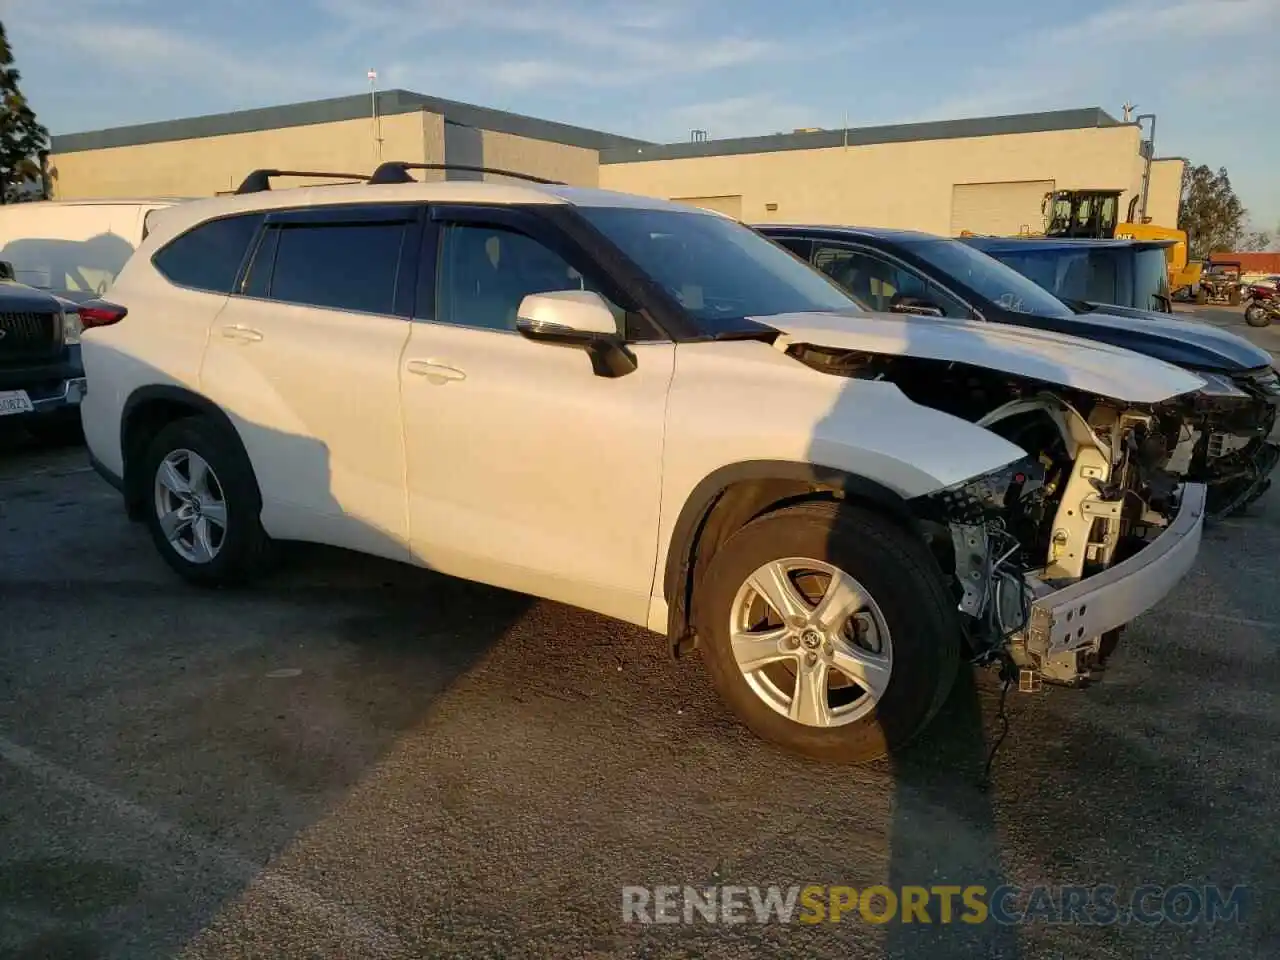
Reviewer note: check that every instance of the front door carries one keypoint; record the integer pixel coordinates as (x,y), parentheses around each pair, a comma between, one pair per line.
(525,469)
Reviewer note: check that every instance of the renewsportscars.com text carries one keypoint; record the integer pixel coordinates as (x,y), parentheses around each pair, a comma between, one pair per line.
(1097,905)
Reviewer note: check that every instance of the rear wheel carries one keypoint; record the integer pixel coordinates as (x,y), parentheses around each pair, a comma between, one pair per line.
(204,504)
(1256,316)
(828,631)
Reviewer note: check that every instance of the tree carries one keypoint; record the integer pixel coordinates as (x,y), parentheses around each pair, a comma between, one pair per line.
(22,139)
(1256,240)
(1212,214)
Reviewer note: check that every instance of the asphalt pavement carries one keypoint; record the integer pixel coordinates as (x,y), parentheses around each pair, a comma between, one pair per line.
(358,759)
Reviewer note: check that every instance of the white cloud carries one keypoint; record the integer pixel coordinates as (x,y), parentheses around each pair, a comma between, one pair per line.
(1135,45)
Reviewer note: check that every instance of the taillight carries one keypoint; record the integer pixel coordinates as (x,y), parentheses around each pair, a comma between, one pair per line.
(99,313)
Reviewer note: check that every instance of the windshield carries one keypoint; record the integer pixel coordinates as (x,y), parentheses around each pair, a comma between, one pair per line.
(719,270)
(990,278)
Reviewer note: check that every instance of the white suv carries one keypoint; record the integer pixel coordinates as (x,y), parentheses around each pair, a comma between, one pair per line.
(646,410)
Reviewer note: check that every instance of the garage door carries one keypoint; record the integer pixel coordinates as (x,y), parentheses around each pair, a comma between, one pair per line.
(1004,209)
(730,205)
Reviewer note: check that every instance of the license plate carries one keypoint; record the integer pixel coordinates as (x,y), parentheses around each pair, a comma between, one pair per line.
(15,401)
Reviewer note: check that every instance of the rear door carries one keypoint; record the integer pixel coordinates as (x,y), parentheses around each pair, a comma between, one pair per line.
(305,358)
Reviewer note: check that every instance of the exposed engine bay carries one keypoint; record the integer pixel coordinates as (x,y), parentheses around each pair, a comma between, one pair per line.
(1101,481)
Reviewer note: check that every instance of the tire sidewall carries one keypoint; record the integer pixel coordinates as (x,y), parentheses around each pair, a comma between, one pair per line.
(239,489)
(905,584)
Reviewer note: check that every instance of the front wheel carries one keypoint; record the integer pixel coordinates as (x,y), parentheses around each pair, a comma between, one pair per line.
(1256,316)
(828,630)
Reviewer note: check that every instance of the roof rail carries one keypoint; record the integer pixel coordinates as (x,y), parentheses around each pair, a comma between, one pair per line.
(397,171)
(260,180)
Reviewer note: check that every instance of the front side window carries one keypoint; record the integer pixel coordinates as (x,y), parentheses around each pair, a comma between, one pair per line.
(209,256)
(486,272)
(349,266)
(719,270)
(878,284)
(1151,279)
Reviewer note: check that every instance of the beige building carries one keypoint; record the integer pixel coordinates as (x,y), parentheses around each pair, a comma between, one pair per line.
(201,156)
(986,175)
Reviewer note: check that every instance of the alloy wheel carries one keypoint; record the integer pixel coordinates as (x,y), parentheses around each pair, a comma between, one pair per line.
(190,506)
(811,642)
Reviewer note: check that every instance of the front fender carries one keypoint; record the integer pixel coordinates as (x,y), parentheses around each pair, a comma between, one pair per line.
(745,403)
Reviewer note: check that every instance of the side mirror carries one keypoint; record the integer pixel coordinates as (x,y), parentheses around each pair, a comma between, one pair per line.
(916,305)
(577,318)
(6,271)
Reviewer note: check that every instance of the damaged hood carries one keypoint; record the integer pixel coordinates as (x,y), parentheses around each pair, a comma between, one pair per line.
(1086,365)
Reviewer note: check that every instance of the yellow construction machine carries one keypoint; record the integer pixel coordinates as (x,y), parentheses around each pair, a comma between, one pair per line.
(1094,214)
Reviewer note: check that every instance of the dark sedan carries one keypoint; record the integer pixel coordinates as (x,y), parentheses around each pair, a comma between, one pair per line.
(899,271)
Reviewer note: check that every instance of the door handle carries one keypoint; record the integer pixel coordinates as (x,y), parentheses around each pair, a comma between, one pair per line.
(436,373)
(236,331)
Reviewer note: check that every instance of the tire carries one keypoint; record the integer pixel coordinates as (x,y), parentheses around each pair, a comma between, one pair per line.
(243,550)
(909,596)
(1201,296)
(1233,298)
(1256,316)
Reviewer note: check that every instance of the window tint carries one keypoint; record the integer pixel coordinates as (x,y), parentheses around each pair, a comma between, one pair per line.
(719,270)
(209,257)
(989,278)
(257,279)
(485,272)
(876,284)
(352,266)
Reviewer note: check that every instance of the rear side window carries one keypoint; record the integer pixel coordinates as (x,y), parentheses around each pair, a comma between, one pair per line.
(209,257)
(350,266)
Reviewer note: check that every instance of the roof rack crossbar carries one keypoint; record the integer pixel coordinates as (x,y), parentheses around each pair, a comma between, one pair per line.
(397,171)
(260,180)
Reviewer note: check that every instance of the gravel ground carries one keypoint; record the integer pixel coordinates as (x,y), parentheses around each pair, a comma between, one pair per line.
(359,759)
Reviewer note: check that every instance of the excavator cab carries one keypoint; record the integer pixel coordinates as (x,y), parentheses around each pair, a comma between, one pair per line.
(1087,214)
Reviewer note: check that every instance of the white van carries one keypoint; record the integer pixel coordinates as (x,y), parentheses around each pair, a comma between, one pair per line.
(74,248)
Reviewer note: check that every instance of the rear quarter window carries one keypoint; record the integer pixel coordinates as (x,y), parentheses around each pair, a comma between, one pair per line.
(208,257)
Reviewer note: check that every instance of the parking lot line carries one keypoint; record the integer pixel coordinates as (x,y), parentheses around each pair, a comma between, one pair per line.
(289,892)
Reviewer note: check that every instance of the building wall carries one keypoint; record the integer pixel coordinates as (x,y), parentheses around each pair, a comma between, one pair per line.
(208,165)
(541,158)
(1164,197)
(890,184)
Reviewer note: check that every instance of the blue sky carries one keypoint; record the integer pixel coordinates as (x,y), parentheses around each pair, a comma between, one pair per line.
(656,69)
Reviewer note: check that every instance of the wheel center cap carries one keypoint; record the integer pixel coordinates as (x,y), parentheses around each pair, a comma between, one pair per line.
(811,639)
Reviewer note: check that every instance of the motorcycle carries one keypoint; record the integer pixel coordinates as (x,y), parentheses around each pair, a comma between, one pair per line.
(1262,305)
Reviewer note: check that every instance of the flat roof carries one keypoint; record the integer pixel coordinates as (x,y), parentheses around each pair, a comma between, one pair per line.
(1080,119)
(357,107)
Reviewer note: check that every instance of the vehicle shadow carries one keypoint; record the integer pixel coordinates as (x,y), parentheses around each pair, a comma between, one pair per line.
(75,269)
(178,739)
(942,830)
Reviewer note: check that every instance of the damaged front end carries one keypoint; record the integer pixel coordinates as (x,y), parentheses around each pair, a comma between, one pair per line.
(1223,438)
(1052,554)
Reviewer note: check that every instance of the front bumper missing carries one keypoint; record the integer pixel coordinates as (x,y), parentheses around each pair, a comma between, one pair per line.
(1064,631)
